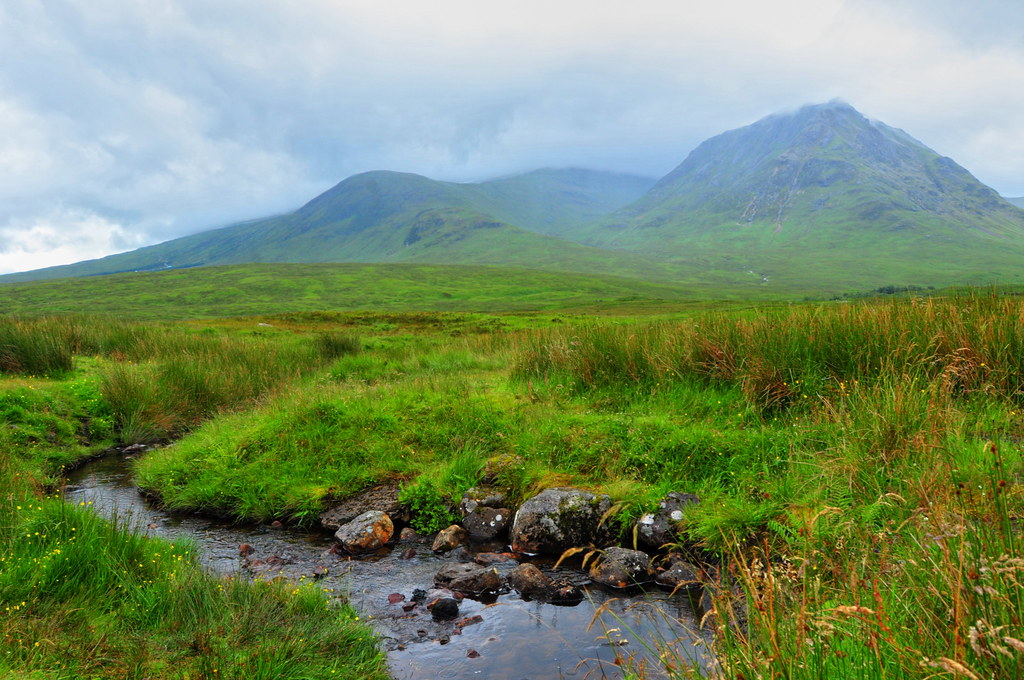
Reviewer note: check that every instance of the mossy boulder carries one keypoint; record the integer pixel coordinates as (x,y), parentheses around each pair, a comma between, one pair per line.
(558,519)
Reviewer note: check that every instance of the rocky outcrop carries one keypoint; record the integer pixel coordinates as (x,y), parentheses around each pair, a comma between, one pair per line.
(558,519)
(622,568)
(367,532)
(657,528)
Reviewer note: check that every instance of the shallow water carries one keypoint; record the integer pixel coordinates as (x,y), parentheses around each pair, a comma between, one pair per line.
(513,640)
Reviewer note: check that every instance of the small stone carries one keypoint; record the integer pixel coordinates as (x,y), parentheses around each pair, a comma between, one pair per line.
(245,550)
(319,572)
(408,535)
(469,621)
(681,575)
(395,598)
(409,553)
(418,595)
(472,654)
(276,524)
(449,539)
(444,609)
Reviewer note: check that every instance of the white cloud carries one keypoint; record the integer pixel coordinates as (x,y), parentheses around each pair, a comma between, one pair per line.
(60,237)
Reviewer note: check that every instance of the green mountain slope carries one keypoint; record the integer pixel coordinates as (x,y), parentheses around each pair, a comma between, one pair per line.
(823,193)
(558,202)
(401,217)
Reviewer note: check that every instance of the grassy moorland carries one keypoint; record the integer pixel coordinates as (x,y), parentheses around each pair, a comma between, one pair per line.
(859,463)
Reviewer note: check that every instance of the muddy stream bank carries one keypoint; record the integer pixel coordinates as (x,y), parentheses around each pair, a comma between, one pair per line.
(504,638)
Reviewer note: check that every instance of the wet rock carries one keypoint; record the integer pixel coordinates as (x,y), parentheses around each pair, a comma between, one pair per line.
(486,559)
(418,595)
(565,592)
(468,578)
(472,654)
(409,553)
(657,528)
(460,554)
(469,621)
(380,498)
(409,535)
(277,524)
(449,539)
(369,531)
(558,519)
(622,568)
(246,549)
(529,580)
(681,575)
(481,497)
(444,608)
(486,523)
(395,598)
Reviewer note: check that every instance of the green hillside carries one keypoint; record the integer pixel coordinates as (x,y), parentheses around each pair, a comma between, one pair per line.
(558,202)
(402,217)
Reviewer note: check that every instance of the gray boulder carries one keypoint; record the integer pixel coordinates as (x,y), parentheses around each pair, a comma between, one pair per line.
(486,523)
(558,519)
(657,528)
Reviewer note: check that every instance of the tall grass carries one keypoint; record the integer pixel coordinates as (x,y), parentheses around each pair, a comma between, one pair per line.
(971,343)
(33,348)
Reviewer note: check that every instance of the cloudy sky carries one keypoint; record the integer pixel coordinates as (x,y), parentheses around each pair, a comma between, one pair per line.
(129,122)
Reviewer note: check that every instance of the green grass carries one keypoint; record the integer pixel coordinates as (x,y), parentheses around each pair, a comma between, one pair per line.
(82,597)
(271,289)
(859,463)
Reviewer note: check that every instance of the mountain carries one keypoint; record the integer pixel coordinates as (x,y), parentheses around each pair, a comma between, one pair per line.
(1019,202)
(557,202)
(823,193)
(401,217)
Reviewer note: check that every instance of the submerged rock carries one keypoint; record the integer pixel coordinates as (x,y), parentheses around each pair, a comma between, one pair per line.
(468,578)
(369,531)
(558,519)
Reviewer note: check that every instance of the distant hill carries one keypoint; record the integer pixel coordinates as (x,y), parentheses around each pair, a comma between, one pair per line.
(401,217)
(1019,201)
(821,193)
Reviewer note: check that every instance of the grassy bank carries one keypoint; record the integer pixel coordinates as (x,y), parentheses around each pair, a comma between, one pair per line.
(84,598)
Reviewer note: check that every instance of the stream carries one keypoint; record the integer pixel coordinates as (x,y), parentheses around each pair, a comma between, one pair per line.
(507,638)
